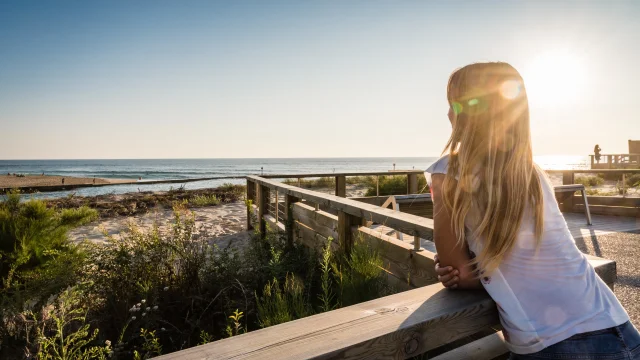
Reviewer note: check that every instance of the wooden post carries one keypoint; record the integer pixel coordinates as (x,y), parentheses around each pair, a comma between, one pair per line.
(592,160)
(412,184)
(276,207)
(345,233)
(377,185)
(251,197)
(263,203)
(288,203)
(567,202)
(341,186)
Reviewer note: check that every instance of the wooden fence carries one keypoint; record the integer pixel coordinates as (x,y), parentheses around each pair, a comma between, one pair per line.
(399,326)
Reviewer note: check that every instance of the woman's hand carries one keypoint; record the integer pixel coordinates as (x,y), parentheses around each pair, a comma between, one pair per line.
(448,276)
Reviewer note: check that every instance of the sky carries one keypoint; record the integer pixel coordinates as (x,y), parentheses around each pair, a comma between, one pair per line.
(238,79)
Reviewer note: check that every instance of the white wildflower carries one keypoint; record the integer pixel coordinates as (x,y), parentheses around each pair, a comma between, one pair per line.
(143,301)
(148,308)
(143,314)
(166,288)
(163,329)
(155,307)
(133,318)
(138,304)
(108,342)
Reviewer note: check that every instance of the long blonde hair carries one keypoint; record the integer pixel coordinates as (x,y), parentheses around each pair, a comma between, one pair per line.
(491,166)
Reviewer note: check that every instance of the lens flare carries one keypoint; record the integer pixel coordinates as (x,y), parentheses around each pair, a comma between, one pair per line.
(510,89)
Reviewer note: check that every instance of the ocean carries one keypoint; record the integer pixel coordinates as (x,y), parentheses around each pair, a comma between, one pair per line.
(157,169)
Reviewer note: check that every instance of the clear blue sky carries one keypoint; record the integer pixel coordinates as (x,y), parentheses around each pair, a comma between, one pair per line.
(185,79)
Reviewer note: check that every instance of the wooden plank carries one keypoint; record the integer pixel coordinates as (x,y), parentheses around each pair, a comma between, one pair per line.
(415,268)
(251,198)
(568,188)
(407,223)
(609,210)
(345,231)
(263,198)
(393,327)
(306,236)
(608,201)
(320,221)
(288,209)
(341,186)
(320,175)
(487,348)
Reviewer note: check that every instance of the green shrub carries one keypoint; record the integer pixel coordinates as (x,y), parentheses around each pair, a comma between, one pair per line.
(589,181)
(394,185)
(35,257)
(204,200)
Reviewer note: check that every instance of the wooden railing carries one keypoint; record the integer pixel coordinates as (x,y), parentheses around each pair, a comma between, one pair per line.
(616,161)
(604,205)
(393,327)
(341,183)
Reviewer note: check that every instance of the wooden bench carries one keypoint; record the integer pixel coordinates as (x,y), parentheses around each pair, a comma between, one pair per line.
(567,191)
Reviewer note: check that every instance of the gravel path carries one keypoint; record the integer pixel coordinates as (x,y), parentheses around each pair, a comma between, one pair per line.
(624,248)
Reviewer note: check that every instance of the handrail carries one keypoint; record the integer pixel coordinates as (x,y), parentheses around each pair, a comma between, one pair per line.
(369,173)
(407,223)
(392,327)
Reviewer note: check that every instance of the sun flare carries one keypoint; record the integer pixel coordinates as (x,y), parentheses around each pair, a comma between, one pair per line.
(555,78)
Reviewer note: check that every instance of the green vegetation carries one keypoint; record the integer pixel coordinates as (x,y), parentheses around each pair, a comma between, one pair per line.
(387,185)
(394,185)
(589,181)
(145,293)
(110,205)
(204,200)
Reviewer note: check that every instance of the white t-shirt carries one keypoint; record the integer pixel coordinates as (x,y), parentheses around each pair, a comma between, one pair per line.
(545,298)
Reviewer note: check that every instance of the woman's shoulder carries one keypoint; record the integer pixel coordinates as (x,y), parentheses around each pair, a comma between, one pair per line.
(440,166)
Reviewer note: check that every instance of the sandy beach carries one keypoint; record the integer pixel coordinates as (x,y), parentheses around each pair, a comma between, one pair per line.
(13,181)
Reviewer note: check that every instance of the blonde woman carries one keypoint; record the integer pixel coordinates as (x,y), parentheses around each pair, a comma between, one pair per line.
(498,226)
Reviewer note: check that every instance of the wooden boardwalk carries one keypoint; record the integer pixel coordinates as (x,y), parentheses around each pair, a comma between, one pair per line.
(577,223)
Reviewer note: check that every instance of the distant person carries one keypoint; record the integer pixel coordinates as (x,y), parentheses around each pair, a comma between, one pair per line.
(596,151)
(140,178)
(94,180)
(62,181)
(497,226)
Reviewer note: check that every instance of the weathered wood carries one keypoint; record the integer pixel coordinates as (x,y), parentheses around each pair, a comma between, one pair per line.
(609,210)
(393,327)
(251,199)
(567,203)
(414,268)
(263,202)
(320,221)
(341,186)
(321,175)
(406,223)
(412,183)
(608,201)
(288,208)
(345,231)
(487,348)
(310,238)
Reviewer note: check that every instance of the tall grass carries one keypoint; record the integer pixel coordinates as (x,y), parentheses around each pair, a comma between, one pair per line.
(147,292)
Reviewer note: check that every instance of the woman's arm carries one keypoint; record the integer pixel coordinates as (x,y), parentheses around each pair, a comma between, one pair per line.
(450,253)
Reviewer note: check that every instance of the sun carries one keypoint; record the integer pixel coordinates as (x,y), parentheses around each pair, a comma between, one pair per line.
(555,78)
